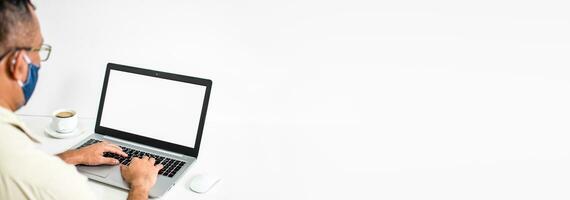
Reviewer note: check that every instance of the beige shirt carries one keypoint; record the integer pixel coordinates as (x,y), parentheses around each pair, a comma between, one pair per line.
(28,173)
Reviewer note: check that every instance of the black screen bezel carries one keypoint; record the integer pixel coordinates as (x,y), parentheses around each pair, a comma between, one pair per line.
(146,140)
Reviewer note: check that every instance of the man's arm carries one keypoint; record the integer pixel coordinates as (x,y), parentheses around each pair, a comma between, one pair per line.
(138,193)
(70,157)
(92,154)
(141,175)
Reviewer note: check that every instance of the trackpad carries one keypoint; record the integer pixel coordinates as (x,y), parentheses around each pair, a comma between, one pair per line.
(101,170)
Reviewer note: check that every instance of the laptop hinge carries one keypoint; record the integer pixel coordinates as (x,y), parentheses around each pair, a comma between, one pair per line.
(173,154)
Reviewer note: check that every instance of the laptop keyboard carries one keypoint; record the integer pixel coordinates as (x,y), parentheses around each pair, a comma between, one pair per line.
(171,166)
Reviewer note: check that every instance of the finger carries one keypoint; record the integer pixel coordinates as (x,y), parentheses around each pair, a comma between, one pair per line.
(109,161)
(145,158)
(114,146)
(157,168)
(123,168)
(115,151)
(152,160)
(107,143)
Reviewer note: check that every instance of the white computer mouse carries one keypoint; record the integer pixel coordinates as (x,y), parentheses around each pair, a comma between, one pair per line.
(202,183)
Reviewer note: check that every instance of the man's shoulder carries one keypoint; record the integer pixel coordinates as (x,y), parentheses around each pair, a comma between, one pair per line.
(47,180)
(18,154)
(20,157)
(13,142)
(9,130)
(26,168)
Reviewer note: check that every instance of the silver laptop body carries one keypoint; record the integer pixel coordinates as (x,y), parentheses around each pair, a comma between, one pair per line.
(177,152)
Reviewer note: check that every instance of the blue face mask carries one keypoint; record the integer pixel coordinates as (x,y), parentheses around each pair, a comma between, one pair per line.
(30,84)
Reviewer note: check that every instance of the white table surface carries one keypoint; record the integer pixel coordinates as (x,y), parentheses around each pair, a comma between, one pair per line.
(53,146)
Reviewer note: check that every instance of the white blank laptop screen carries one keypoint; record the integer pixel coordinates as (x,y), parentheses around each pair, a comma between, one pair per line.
(153,107)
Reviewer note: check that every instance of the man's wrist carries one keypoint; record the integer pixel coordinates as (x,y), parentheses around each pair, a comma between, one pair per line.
(140,185)
(138,192)
(70,157)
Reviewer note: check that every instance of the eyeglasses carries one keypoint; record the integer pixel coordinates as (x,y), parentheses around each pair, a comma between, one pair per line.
(44,51)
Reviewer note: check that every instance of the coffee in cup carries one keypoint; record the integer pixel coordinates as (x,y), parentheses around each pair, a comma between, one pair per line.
(64,114)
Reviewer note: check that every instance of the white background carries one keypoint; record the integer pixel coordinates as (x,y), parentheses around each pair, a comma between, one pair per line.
(153,107)
(317,99)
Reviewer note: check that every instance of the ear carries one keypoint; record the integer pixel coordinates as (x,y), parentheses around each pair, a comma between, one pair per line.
(17,67)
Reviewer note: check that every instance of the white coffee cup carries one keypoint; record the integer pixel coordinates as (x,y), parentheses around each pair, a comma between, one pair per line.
(64,120)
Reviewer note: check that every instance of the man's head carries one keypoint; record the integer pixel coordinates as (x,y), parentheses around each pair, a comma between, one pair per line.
(20,37)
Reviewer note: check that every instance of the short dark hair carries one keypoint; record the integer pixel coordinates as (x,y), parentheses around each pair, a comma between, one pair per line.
(15,19)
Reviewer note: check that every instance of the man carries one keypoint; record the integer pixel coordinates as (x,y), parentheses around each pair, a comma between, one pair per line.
(25,172)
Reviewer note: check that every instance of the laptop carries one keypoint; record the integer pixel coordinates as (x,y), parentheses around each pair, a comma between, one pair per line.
(149,113)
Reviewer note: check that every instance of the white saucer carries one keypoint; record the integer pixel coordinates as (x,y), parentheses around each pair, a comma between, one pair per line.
(56,134)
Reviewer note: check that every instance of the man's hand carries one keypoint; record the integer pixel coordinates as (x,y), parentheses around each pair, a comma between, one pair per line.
(141,175)
(93,154)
